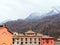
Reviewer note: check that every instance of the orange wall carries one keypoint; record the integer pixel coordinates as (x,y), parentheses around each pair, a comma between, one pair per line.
(50,41)
(5,37)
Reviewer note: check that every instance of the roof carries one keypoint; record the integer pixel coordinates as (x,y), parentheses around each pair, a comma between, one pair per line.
(30,31)
(4,26)
(45,36)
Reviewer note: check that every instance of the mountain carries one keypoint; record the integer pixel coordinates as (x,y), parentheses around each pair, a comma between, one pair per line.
(36,16)
(33,16)
(49,25)
(4,21)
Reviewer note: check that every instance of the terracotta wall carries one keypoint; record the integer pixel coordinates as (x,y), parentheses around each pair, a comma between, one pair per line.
(5,37)
(49,41)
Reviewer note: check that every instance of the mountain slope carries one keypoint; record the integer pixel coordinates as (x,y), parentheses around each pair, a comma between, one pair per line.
(33,16)
(36,16)
(49,25)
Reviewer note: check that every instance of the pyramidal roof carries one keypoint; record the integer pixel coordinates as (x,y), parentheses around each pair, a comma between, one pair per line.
(30,30)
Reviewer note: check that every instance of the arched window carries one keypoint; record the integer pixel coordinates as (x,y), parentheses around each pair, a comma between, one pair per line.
(3,43)
(4,33)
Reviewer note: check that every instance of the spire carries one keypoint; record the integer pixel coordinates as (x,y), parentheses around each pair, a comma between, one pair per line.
(30,29)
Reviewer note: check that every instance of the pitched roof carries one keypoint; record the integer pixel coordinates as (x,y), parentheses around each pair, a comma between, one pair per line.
(4,26)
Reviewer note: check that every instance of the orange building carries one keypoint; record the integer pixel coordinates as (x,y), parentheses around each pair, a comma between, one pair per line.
(46,40)
(5,36)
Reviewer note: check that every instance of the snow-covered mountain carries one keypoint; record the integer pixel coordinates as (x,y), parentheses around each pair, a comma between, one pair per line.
(35,16)
(52,12)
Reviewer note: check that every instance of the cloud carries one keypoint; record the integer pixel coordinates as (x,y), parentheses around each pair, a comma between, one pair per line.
(15,9)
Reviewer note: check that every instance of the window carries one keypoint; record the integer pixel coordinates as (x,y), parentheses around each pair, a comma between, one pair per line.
(39,43)
(17,42)
(30,33)
(34,39)
(21,43)
(4,33)
(47,40)
(51,41)
(3,43)
(21,39)
(13,40)
(43,42)
(14,34)
(30,40)
(25,39)
(26,42)
(17,38)
(39,39)
(35,42)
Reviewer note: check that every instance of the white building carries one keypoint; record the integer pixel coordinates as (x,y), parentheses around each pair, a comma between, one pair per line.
(28,38)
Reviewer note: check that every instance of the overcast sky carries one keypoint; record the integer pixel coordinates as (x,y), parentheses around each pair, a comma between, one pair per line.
(20,9)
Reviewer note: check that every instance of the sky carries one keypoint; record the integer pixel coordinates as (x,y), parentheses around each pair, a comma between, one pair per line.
(20,9)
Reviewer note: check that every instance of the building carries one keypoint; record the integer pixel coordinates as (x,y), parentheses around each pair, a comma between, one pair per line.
(31,38)
(5,36)
(47,40)
(58,39)
(27,38)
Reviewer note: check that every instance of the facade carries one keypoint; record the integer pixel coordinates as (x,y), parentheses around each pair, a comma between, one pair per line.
(31,38)
(46,40)
(26,38)
(5,36)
